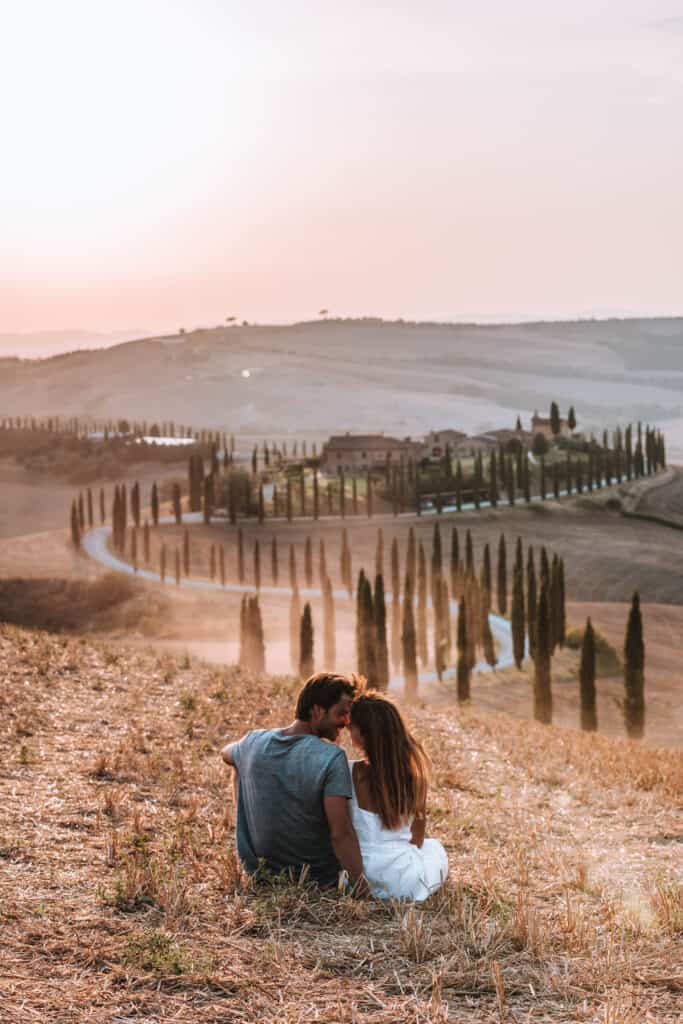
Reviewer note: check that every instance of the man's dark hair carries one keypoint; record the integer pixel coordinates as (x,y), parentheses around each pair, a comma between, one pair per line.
(324,689)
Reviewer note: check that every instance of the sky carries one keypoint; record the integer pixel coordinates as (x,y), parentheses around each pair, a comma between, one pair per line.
(169,163)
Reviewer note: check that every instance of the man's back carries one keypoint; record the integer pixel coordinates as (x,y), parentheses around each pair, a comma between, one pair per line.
(280,814)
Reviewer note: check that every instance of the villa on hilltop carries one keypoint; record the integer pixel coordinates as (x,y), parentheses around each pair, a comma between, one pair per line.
(541,425)
(355,453)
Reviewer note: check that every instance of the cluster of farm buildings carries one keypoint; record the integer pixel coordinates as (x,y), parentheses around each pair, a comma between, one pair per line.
(356,452)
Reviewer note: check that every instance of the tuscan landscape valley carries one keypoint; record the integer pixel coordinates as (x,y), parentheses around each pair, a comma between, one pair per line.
(176,557)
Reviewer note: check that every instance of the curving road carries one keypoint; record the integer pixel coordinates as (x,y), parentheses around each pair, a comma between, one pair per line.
(95,543)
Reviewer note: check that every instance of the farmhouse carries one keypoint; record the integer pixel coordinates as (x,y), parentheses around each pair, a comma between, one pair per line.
(356,453)
(541,425)
(437,442)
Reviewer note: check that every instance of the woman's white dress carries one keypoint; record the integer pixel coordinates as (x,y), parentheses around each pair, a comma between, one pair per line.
(394,867)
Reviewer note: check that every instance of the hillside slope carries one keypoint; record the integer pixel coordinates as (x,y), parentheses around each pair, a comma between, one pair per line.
(312,379)
(120,896)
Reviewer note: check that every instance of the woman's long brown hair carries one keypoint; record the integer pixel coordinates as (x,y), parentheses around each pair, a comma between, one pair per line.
(399,765)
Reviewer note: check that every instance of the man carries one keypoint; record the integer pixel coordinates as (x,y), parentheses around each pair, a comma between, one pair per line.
(294,787)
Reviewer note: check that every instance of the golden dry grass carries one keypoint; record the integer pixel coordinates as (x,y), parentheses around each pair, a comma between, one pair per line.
(121,899)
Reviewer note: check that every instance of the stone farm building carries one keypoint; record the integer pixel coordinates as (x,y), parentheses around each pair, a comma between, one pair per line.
(356,453)
(438,442)
(541,425)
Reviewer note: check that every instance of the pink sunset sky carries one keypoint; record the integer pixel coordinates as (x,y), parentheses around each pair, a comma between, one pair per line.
(169,163)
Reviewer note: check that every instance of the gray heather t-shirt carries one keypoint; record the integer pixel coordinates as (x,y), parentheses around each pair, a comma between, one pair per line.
(280,814)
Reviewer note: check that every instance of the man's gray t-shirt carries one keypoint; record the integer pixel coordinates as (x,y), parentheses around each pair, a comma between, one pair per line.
(281,819)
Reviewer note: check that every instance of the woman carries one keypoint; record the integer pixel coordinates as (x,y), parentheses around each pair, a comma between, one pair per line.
(389,801)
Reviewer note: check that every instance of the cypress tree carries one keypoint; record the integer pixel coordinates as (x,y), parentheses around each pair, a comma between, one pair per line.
(395,607)
(75,526)
(543,698)
(361,653)
(542,482)
(408,646)
(526,475)
(103,511)
(455,559)
(261,505)
(162,563)
(488,643)
(469,554)
(379,553)
(493,481)
(369,494)
(354,495)
(517,617)
(302,492)
(486,579)
(288,499)
(308,562)
(437,559)
(589,717)
(345,563)
(554,418)
(458,485)
(134,547)
(510,480)
(257,565)
(81,513)
(306,662)
(186,552)
(154,502)
(177,566)
(544,568)
(176,504)
(502,576)
(316,497)
(531,600)
(556,480)
(295,631)
(240,555)
(634,672)
(91,516)
(422,647)
(382,653)
(463,664)
(145,542)
(342,494)
(274,560)
(135,503)
(411,556)
(329,638)
(221,564)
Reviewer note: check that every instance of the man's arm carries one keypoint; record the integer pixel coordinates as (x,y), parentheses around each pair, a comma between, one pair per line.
(345,841)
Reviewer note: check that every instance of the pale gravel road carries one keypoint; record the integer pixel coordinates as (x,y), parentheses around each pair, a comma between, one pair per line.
(95,543)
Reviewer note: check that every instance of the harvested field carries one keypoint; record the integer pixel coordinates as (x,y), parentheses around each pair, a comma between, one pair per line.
(120,897)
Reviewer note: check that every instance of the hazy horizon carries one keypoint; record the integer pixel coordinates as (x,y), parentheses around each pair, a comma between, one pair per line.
(171,165)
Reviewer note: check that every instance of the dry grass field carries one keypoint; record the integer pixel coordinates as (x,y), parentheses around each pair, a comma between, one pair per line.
(121,898)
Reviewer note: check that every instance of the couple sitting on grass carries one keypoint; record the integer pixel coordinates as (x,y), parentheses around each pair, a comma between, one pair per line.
(302,805)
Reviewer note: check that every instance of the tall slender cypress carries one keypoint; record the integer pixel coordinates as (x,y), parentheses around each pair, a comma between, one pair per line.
(517,617)
(463,665)
(274,567)
(455,559)
(103,510)
(322,563)
(486,581)
(75,526)
(382,653)
(177,510)
(543,698)
(589,716)
(502,577)
(395,607)
(531,600)
(422,645)
(469,554)
(221,564)
(186,552)
(379,553)
(409,646)
(411,556)
(634,672)
(306,659)
(154,502)
(145,542)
